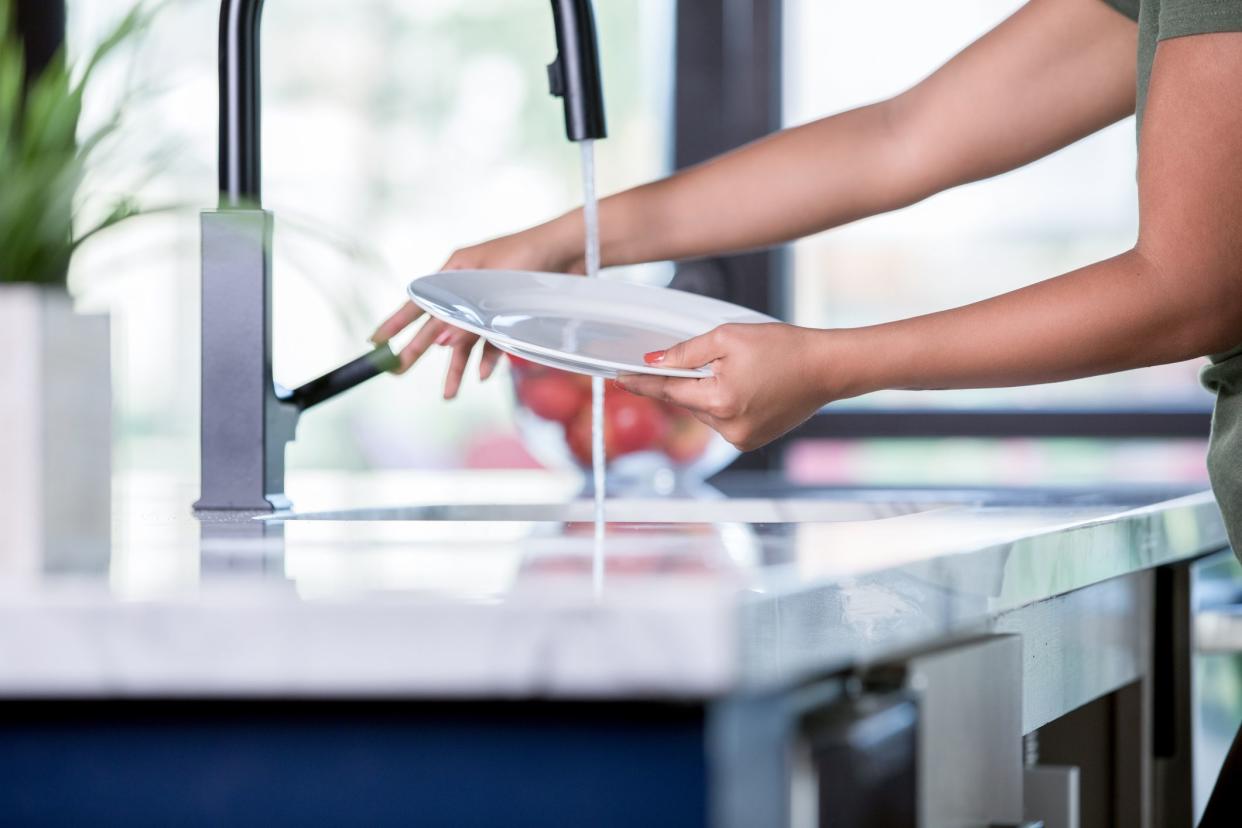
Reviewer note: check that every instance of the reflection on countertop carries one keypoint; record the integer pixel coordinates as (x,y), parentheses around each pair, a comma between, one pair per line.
(480,584)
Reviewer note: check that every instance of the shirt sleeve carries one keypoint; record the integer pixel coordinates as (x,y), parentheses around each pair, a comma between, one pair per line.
(1179,18)
(1130,8)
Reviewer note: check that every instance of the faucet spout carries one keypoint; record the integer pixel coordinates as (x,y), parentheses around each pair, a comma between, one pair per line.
(575,75)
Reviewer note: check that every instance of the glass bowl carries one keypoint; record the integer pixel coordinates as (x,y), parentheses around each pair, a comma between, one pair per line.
(652,447)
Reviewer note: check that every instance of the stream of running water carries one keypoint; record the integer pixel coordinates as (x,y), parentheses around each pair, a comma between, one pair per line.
(590,214)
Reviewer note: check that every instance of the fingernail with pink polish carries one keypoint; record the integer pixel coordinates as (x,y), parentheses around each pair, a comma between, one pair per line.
(444,337)
(654,358)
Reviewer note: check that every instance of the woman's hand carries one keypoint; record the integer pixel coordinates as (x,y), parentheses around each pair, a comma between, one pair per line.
(765,380)
(546,247)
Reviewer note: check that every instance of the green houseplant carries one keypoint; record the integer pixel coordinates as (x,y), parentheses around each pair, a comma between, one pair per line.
(43,160)
(55,387)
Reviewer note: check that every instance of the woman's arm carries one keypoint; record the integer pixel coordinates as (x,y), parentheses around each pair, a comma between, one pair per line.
(1055,71)
(1177,294)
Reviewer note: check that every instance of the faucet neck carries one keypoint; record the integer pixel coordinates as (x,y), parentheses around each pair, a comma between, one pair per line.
(575,74)
(240,151)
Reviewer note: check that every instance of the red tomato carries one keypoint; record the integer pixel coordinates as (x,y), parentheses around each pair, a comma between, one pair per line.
(522,369)
(518,363)
(578,436)
(687,439)
(554,396)
(632,423)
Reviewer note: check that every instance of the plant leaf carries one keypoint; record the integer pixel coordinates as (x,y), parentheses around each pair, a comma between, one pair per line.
(42,159)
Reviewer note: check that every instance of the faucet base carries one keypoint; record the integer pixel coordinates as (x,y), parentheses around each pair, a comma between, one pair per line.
(244,424)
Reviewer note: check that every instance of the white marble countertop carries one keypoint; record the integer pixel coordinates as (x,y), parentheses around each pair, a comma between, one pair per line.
(493,594)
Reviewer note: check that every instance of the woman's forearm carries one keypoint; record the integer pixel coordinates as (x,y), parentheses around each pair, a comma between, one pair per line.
(788,185)
(1121,313)
(1114,315)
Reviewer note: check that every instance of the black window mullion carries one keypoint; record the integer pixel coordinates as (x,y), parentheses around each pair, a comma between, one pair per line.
(41,24)
(728,93)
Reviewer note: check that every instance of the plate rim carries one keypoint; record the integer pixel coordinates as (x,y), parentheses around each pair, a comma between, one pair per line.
(566,365)
(497,338)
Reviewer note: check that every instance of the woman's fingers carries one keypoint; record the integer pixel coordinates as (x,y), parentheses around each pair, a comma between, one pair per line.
(701,396)
(436,332)
(489,360)
(396,323)
(416,347)
(409,313)
(694,394)
(457,367)
(693,353)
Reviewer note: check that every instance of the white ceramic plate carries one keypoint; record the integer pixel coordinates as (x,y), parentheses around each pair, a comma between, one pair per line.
(588,326)
(573,367)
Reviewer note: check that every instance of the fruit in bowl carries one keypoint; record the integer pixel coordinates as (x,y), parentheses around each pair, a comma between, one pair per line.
(648,444)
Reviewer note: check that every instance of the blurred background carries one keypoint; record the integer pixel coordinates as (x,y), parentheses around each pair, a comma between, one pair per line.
(395,132)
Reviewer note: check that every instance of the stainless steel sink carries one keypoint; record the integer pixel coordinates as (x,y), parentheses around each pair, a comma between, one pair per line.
(642,510)
(760,499)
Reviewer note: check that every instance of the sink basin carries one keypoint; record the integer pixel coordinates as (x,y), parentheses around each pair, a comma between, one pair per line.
(639,510)
(756,499)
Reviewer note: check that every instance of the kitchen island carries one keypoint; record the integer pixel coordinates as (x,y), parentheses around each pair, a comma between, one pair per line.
(440,650)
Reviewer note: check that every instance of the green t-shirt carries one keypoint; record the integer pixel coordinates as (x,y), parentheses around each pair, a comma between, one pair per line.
(1163,19)
(1160,20)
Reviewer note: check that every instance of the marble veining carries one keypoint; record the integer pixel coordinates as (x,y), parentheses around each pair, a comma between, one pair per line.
(371,603)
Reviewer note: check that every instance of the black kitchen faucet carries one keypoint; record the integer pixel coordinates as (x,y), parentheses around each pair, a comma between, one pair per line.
(246,417)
